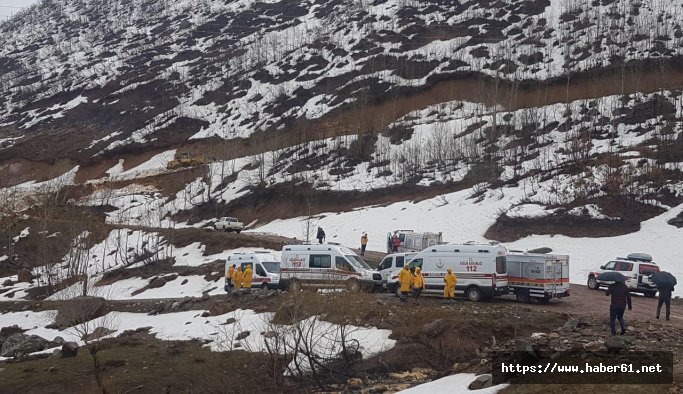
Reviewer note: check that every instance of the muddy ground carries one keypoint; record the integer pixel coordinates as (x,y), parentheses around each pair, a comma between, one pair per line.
(459,342)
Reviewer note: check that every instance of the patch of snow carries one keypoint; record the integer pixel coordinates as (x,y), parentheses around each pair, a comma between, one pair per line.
(323,336)
(590,210)
(154,164)
(529,211)
(458,383)
(23,234)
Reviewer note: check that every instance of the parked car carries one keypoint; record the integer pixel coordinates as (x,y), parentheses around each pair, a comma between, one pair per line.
(481,269)
(265,267)
(229,224)
(390,265)
(636,267)
(538,276)
(326,266)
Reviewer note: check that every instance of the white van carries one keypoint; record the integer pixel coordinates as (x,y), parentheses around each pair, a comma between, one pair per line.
(390,265)
(326,265)
(265,267)
(481,269)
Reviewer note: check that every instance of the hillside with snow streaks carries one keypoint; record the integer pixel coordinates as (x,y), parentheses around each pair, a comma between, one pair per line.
(576,148)
(230,68)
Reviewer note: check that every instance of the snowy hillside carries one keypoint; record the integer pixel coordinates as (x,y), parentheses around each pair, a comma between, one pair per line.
(118,73)
(529,122)
(464,219)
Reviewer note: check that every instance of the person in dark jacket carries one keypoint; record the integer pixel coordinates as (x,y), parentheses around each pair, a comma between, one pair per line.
(321,235)
(620,299)
(665,298)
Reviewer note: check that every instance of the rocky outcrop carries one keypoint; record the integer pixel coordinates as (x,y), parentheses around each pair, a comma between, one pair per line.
(156,283)
(24,275)
(21,344)
(69,349)
(80,310)
(481,382)
(677,221)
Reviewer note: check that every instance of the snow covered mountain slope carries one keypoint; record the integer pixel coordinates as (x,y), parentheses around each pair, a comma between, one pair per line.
(111,74)
(523,121)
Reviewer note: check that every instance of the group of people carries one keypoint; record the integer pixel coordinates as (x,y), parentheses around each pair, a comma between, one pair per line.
(413,282)
(238,279)
(621,299)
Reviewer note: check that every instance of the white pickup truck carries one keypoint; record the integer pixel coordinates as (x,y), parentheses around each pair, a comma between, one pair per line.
(228,224)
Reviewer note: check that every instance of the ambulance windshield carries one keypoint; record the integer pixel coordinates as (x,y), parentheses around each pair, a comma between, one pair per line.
(271,266)
(357,262)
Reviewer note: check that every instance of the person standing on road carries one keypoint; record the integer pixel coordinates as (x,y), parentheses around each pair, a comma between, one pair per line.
(620,299)
(665,298)
(237,279)
(247,278)
(363,243)
(320,235)
(405,280)
(449,285)
(229,276)
(418,285)
(395,243)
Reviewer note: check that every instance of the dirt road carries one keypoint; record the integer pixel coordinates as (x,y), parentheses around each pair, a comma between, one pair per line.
(584,301)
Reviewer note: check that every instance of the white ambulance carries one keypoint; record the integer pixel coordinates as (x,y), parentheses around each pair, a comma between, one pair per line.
(326,266)
(538,276)
(265,268)
(481,269)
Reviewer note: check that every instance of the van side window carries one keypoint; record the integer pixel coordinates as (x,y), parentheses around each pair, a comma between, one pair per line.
(415,263)
(260,271)
(400,261)
(501,265)
(624,266)
(321,261)
(386,263)
(342,264)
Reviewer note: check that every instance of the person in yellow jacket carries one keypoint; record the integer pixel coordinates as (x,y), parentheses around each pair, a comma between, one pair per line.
(449,285)
(405,280)
(237,278)
(418,284)
(228,277)
(246,279)
(363,243)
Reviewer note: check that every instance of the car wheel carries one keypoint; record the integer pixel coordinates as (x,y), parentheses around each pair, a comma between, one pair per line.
(523,296)
(650,294)
(238,231)
(352,285)
(295,285)
(397,291)
(264,286)
(593,283)
(543,300)
(473,294)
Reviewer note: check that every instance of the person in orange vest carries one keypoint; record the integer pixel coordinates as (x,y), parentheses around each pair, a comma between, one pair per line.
(449,286)
(228,277)
(363,243)
(237,279)
(247,277)
(418,285)
(405,279)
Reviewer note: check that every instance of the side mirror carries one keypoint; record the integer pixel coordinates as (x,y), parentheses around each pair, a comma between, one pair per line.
(602,267)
